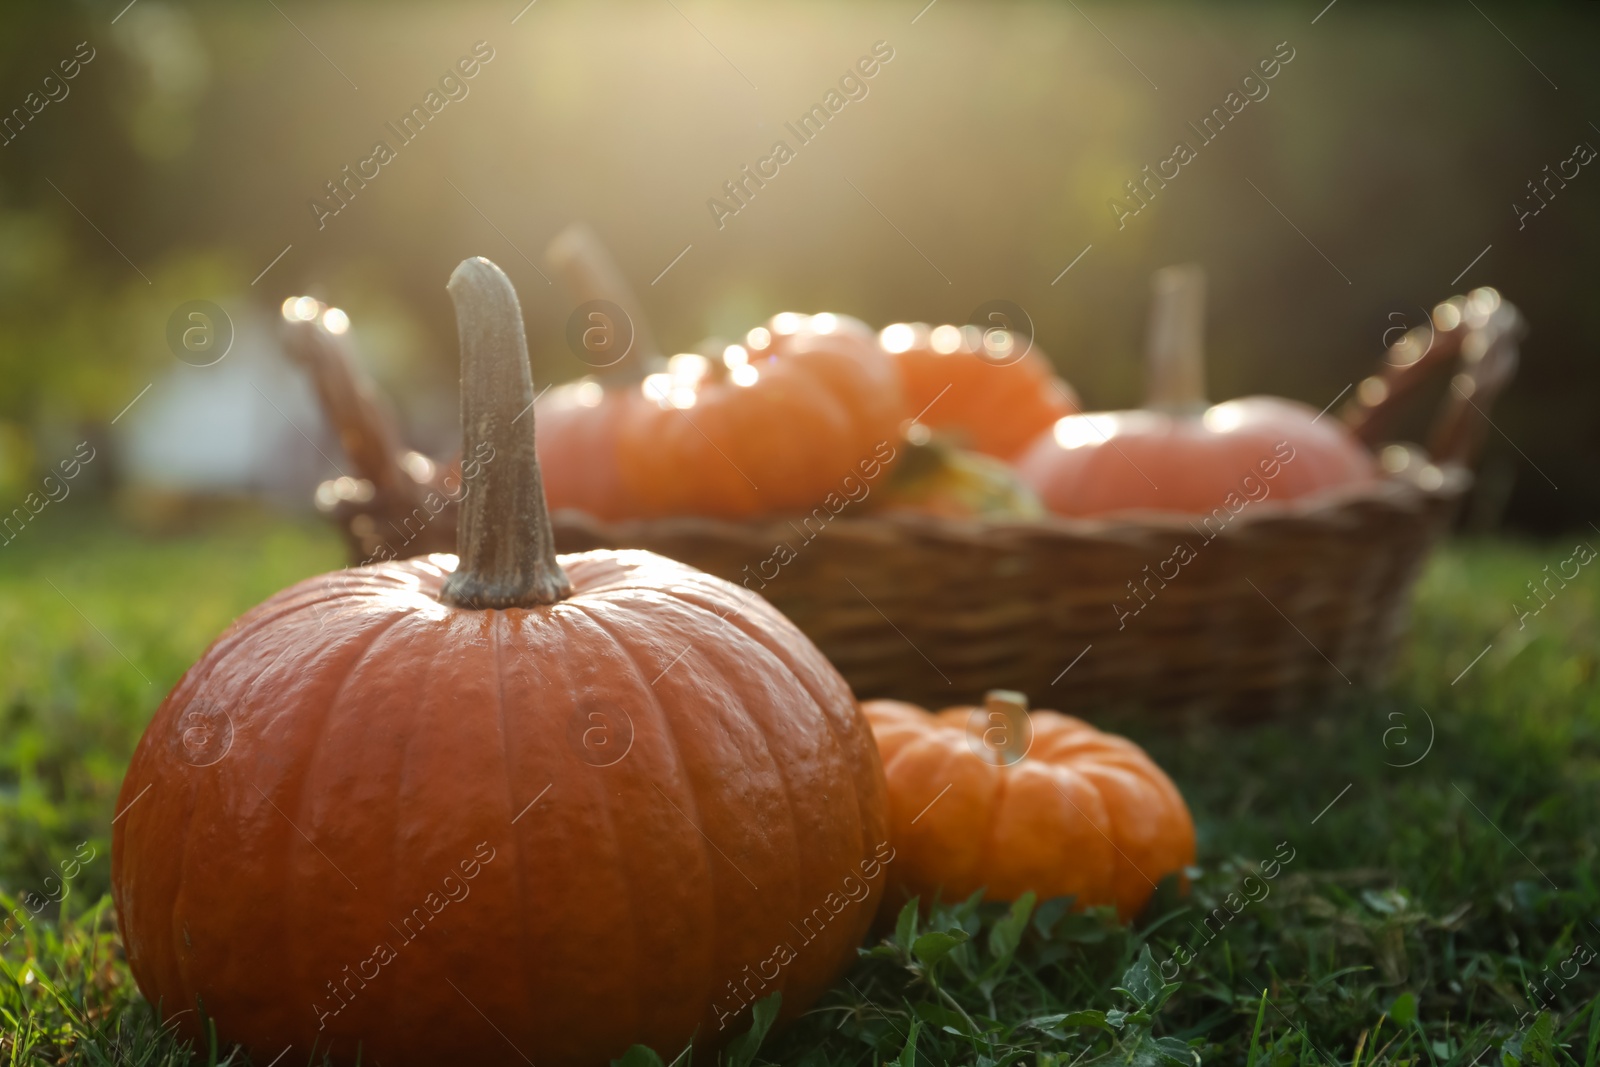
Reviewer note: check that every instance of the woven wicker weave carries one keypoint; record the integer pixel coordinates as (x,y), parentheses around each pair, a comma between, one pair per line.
(1289,603)
(1284,604)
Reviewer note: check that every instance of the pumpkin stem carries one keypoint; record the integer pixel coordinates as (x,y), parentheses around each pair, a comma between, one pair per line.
(1009,734)
(588,272)
(1175,353)
(503,535)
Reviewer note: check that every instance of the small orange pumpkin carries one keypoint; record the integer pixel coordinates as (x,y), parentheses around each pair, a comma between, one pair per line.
(1179,454)
(974,386)
(998,799)
(502,808)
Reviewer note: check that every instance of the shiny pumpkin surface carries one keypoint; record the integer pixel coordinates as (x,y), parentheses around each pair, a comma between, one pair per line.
(1238,451)
(995,402)
(366,817)
(767,428)
(1081,813)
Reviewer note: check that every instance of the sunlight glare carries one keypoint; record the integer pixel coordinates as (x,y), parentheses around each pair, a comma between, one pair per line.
(1223,418)
(1076,431)
(897,338)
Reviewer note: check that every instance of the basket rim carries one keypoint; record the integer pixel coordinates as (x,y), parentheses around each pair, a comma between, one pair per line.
(1335,506)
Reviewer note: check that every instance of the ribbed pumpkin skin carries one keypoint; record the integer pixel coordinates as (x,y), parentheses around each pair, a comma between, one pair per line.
(1084,813)
(381,738)
(1152,461)
(996,409)
(823,404)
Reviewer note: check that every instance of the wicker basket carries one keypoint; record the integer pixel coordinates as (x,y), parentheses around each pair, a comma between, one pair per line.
(1288,604)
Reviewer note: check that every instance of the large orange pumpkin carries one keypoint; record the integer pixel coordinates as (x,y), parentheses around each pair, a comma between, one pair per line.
(998,799)
(1179,454)
(975,386)
(508,808)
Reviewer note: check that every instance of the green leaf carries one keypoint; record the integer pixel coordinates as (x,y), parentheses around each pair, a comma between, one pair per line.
(1404,1009)
(936,1014)
(1004,1061)
(905,927)
(908,1055)
(1091,927)
(1255,1037)
(1533,1047)
(639,1056)
(1594,1032)
(1049,1023)
(1165,1052)
(1142,982)
(1006,934)
(1048,914)
(935,945)
(742,1049)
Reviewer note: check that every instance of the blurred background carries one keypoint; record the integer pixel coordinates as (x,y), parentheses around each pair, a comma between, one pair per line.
(161,158)
(1383,172)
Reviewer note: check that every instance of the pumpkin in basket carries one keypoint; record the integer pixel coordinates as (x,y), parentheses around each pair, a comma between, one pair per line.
(469,811)
(975,387)
(1007,801)
(1179,454)
(579,423)
(766,428)
(934,477)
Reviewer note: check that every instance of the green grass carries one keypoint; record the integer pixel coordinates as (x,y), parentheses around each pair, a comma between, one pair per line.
(1404,930)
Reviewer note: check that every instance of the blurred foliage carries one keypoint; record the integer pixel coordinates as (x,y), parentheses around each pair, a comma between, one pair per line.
(75,695)
(1397,141)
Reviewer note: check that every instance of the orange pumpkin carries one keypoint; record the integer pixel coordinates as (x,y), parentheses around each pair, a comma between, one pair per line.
(1179,454)
(579,424)
(764,428)
(998,799)
(767,428)
(975,387)
(508,807)
(579,421)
